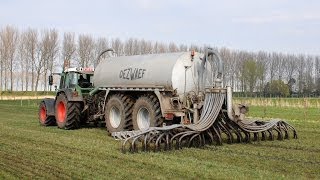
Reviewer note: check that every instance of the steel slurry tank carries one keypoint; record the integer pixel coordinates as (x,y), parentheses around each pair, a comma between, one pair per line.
(169,70)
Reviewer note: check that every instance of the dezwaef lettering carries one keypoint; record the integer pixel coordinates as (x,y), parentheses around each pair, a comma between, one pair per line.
(132,73)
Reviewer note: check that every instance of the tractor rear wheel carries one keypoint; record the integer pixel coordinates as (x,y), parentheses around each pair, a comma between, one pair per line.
(146,113)
(67,113)
(44,119)
(118,113)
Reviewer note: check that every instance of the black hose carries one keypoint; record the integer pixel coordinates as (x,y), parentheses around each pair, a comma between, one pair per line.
(99,56)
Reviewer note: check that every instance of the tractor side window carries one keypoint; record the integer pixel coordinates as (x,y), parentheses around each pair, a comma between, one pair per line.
(88,77)
(84,81)
(73,80)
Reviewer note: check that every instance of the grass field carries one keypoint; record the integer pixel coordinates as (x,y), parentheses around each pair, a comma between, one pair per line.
(26,93)
(281,102)
(28,150)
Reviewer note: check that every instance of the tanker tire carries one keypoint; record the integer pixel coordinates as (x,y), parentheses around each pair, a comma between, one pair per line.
(44,119)
(67,113)
(150,104)
(118,113)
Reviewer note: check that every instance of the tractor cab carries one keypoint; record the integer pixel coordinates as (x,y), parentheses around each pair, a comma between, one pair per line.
(75,78)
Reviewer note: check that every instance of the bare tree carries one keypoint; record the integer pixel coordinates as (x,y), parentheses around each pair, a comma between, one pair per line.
(1,66)
(233,69)
(228,69)
(47,52)
(173,47)
(129,47)
(4,60)
(317,73)
(31,45)
(309,85)
(68,48)
(53,51)
(136,47)
(290,67)
(41,56)
(242,57)
(262,58)
(195,48)
(281,65)
(273,64)
(183,48)
(85,50)
(301,71)
(9,37)
(101,44)
(24,65)
(160,47)
(145,47)
(117,45)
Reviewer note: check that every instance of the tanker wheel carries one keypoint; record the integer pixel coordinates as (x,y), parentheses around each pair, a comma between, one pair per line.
(44,119)
(118,113)
(146,113)
(67,113)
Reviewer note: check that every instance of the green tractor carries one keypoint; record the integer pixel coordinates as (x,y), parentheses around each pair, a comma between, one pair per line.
(69,109)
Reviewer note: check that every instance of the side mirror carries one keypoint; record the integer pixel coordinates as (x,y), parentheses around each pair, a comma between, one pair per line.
(50,80)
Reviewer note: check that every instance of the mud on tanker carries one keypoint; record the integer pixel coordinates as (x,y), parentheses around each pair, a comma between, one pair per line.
(157,101)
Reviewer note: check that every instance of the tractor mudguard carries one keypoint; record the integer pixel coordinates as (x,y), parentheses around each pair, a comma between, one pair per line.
(71,95)
(49,102)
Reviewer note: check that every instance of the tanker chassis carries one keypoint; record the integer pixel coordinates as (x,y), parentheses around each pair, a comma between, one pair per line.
(159,99)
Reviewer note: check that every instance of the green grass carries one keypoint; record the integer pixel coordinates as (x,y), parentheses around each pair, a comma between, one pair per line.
(293,114)
(281,102)
(28,150)
(26,93)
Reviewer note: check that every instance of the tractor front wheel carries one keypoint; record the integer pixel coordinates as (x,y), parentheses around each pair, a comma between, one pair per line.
(67,113)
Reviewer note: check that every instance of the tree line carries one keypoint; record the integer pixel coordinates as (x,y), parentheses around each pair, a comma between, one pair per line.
(29,56)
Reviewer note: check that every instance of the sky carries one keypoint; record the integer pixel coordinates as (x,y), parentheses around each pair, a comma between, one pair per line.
(288,26)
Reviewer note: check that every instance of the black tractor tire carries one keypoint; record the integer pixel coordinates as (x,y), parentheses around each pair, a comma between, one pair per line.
(118,113)
(67,114)
(44,119)
(147,107)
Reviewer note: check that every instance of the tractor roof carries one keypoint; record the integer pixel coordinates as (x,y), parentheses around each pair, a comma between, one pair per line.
(80,70)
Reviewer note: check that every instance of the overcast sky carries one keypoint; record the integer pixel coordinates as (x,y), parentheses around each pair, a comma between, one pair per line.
(289,26)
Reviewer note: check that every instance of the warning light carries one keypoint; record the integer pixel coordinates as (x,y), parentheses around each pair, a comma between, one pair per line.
(168,116)
(85,69)
(192,53)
